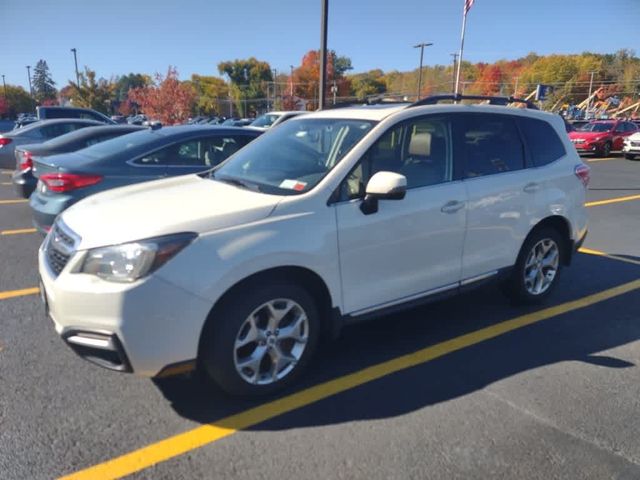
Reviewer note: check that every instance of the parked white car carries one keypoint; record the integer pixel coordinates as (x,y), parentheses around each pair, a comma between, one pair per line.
(631,146)
(273,119)
(333,217)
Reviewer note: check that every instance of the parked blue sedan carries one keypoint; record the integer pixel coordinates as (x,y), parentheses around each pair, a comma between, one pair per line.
(157,152)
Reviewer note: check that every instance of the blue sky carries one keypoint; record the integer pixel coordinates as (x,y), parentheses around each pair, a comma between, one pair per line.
(116,37)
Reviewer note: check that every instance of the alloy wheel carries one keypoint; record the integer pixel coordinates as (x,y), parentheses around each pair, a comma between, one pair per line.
(541,266)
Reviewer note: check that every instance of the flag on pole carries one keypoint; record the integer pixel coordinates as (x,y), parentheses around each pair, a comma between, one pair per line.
(467,5)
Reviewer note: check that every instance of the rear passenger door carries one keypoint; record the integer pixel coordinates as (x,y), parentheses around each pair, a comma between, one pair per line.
(505,199)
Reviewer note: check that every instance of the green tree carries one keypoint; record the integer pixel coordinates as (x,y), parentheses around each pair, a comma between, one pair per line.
(93,93)
(249,79)
(212,94)
(126,82)
(43,85)
(18,101)
(369,83)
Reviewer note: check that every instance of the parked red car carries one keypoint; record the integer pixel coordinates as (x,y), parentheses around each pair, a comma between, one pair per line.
(602,136)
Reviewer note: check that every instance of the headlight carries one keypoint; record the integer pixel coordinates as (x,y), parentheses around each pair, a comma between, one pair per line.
(128,262)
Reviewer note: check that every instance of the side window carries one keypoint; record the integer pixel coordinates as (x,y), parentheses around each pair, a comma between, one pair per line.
(219,148)
(178,155)
(57,129)
(542,140)
(419,149)
(491,144)
(90,116)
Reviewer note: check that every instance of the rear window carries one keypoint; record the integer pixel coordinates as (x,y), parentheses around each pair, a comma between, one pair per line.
(543,142)
(120,144)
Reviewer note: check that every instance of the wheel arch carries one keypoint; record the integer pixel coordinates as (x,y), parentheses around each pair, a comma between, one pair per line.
(331,319)
(561,225)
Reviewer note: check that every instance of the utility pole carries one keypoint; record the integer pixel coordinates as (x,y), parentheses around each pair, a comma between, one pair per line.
(453,75)
(421,47)
(30,87)
(275,88)
(75,60)
(323,54)
(586,115)
(4,85)
(291,82)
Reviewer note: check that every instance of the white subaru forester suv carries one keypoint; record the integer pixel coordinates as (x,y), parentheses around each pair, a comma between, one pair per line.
(333,217)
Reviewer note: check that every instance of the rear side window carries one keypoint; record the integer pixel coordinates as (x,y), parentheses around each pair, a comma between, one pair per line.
(491,144)
(55,130)
(542,140)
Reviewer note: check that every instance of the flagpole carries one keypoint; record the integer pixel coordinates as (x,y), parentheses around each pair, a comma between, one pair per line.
(464,27)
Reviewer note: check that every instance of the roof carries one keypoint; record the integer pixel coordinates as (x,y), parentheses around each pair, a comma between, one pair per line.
(180,129)
(363,112)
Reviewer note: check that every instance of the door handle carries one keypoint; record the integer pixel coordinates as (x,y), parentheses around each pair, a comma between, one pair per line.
(531,187)
(452,207)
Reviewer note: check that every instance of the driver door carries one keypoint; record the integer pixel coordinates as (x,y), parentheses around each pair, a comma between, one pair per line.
(412,247)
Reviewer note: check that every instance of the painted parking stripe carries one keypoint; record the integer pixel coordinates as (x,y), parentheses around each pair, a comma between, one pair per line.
(602,159)
(18,231)
(598,253)
(612,200)
(9,202)
(19,293)
(5,183)
(206,434)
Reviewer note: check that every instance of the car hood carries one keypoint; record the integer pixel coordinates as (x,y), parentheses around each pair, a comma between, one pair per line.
(587,135)
(182,204)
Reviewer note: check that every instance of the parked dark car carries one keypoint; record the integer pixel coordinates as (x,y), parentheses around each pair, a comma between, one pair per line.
(37,132)
(138,157)
(6,125)
(23,179)
(47,113)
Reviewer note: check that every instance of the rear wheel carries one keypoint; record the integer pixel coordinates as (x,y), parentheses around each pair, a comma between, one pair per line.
(605,151)
(537,269)
(629,156)
(260,339)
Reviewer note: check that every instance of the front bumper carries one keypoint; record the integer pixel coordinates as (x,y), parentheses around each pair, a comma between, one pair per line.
(139,327)
(627,148)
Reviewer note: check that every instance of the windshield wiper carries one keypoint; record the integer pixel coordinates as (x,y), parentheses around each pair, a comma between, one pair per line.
(237,182)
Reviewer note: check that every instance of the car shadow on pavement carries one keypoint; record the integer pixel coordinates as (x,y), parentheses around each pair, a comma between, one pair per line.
(575,336)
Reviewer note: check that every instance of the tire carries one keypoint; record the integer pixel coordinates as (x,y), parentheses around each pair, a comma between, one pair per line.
(629,156)
(242,337)
(605,151)
(520,286)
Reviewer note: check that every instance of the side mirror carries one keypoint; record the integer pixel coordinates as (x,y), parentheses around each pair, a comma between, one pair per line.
(383,186)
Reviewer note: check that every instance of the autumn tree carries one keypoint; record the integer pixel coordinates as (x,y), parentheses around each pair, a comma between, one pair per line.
(44,88)
(167,99)
(18,100)
(249,79)
(306,77)
(367,84)
(93,93)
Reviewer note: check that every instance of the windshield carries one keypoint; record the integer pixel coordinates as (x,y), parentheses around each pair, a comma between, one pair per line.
(596,127)
(293,158)
(119,144)
(265,120)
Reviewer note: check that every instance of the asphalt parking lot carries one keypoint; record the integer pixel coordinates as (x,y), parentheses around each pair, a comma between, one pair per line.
(471,387)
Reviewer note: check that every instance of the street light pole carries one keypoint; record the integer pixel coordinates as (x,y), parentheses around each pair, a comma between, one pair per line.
(75,61)
(323,54)
(30,87)
(4,85)
(421,47)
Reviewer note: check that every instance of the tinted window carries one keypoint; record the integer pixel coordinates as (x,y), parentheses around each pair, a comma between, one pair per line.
(543,142)
(418,149)
(120,144)
(490,144)
(57,129)
(60,113)
(630,127)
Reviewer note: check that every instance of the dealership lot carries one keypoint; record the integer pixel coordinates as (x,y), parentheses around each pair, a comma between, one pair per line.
(469,387)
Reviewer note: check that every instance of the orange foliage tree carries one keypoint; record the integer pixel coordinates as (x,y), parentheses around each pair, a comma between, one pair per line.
(167,100)
(306,78)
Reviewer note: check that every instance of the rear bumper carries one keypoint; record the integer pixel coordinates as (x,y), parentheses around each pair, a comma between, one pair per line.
(45,209)
(24,183)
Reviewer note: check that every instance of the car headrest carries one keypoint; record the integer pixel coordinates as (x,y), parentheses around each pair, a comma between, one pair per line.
(420,144)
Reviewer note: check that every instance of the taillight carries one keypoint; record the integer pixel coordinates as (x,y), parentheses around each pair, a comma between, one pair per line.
(26,160)
(583,173)
(4,141)
(65,182)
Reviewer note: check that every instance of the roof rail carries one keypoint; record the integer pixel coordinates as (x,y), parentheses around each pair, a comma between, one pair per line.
(504,101)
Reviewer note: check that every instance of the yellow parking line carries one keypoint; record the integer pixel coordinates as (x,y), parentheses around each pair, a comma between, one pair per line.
(612,200)
(18,231)
(589,251)
(6,172)
(8,202)
(5,183)
(184,442)
(18,293)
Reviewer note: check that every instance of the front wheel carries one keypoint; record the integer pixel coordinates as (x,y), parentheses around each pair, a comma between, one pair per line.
(629,156)
(605,151)
(537,269)
(260,339)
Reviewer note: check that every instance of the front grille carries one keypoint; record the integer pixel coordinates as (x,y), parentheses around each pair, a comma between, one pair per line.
(635,144)
(60,247)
